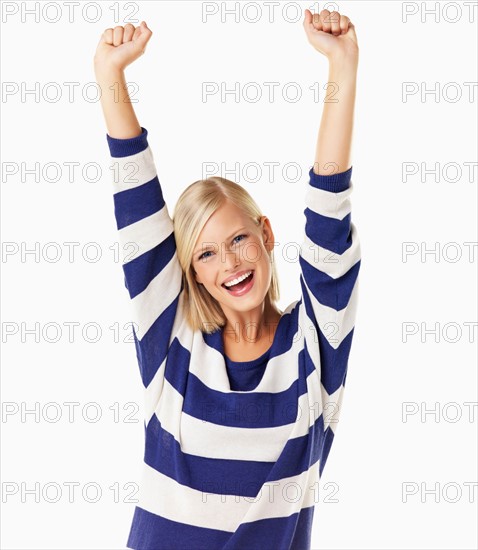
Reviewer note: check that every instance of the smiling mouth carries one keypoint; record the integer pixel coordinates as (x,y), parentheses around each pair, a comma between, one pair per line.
(240,286)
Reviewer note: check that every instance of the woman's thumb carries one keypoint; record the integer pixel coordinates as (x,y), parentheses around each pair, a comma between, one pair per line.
(308,22)
(142,34)
(307,17)
(351,32)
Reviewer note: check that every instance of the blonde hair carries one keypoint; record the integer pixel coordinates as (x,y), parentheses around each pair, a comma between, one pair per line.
(193,208)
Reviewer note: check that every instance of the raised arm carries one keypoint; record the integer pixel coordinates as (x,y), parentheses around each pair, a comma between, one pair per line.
(117,49)
(330,255)
(152,274)
(333,35)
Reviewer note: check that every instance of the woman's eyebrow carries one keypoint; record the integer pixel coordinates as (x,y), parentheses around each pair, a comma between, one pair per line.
(207,246)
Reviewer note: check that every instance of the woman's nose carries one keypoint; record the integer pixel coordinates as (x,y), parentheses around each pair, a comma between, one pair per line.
(231,259)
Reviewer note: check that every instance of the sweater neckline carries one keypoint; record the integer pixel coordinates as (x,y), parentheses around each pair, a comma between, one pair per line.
(252,363)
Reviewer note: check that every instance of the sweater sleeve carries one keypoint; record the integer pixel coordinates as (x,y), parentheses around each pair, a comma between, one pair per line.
(330,262)
(152,273)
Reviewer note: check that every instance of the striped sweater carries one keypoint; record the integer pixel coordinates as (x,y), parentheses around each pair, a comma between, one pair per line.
(233,450)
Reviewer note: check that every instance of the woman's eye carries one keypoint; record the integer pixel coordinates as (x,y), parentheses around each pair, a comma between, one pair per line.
(202,256)
(239,237)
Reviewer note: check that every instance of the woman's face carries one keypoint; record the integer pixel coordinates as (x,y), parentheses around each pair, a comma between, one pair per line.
(229,245)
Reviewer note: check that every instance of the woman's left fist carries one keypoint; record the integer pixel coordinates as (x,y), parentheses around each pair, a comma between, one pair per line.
(331,34)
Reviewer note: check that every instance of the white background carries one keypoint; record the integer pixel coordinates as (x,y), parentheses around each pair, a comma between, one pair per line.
(376,450)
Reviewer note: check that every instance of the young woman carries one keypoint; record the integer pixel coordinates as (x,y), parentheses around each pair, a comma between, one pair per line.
(241,399)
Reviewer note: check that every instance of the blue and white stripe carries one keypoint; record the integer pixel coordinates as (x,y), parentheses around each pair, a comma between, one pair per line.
(227,469)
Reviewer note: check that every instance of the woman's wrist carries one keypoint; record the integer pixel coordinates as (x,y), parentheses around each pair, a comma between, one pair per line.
(107,73)
(345,66)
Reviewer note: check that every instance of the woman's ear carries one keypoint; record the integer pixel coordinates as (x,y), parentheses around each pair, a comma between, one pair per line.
(267,233)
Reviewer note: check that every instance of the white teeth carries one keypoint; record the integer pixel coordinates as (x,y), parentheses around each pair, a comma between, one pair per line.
(238,280)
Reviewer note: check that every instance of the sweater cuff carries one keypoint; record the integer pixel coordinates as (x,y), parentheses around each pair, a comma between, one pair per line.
(334,183)
(127,147)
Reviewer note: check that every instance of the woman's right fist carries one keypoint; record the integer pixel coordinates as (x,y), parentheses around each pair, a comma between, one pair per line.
(119,47)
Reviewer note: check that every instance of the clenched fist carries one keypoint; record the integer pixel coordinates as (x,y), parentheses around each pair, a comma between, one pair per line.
(120,46)
(331,33)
